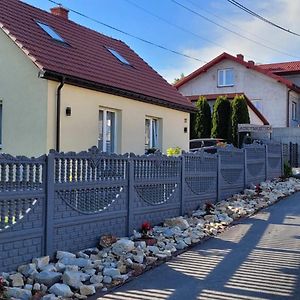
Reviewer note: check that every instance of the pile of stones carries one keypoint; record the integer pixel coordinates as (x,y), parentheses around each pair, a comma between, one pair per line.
(115,260)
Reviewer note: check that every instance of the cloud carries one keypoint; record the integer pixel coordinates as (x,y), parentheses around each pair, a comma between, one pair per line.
(282,12)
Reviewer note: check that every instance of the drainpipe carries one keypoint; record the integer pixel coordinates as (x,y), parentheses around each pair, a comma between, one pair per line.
(288,109)
(58,104)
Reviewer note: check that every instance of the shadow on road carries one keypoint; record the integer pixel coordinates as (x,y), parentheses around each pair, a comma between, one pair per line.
(257,259)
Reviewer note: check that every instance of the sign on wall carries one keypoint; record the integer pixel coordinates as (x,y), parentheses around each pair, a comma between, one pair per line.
(254,128)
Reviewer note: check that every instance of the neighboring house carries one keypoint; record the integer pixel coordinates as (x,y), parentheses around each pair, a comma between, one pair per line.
(271,89)
(67,87)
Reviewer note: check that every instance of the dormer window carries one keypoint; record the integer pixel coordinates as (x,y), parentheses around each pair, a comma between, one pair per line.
(50,31)
(118,56)
(225,77)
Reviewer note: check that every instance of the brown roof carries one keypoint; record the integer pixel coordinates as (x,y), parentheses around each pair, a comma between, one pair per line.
(230,96)
(84,58)
(249,65)
(283,67)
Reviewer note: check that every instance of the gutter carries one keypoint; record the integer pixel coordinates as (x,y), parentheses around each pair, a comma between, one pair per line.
(288,108)
(58,109)
(50,75)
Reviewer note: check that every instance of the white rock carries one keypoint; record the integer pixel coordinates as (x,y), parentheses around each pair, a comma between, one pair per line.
(48,278)
(153,249)
(178,221)
(27,270)
(20,294)
(36,287)
(74,279)
(112,272)
(122,247)
(63,254)
(80,262)
(28,287)
(96,279)
(16,280)
(62,290)
(49,297)
(41,262)
(107,279)
(87,290)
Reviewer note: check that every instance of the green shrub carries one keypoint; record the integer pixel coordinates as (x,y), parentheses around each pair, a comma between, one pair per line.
(201,121)
(287,169)
(174,151)
(239,115)
(221,118)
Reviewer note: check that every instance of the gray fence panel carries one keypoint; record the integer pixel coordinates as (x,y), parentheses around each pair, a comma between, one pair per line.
(255,164)
(156,183)
(90,199)
(231,171)
(200,172)
(22,210)
(274,160)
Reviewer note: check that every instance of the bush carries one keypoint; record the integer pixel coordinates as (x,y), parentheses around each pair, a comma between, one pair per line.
(287,169)
(239,115)
(174,151)
(201,120)
(221,118)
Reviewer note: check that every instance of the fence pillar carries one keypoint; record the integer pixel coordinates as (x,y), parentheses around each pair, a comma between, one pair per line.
(219,178)
(182,175)
(49,214)
(266,160)
(245,168)
(130,195)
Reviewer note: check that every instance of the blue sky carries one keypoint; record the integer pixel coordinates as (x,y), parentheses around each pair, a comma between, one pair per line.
(126,16)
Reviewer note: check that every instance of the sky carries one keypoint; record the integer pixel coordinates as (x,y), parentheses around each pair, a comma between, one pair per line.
(184,31)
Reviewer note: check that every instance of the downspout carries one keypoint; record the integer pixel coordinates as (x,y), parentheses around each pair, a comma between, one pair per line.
(288,109)
(58,104)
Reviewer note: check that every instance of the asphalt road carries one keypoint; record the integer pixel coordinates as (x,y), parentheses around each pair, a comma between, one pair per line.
(258,258)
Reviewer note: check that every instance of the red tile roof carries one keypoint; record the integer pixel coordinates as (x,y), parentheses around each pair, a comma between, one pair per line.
(85,58)
(249,65)
(284,67)
(230,96)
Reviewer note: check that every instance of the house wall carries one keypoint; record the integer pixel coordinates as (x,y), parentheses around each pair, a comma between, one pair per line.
(24,98)
(294,78)
(255,85)
(80,130)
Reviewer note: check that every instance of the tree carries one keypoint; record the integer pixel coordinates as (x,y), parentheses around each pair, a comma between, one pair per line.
(177,79)
(221,118)
(201,120)
(240,115)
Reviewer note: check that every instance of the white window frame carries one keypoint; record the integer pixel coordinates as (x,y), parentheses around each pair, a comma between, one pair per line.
(151,135)
(105,111)
(294,111)
(224,77)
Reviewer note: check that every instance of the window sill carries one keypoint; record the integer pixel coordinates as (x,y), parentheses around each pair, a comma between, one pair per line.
(221,86)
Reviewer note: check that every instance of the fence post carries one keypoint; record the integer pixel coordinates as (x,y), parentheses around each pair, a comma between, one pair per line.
(245,168)
(266,164)
(182,160)
(218,177)
(282,160)
(130,194)
(49,213)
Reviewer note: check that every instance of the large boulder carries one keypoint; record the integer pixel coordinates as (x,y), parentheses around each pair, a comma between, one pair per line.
(41,262)
(16,280)
(87,290)
(74,279)
(63,254)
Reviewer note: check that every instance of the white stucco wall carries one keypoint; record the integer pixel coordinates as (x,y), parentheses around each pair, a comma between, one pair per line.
(80,131)
(256,86)
(24,100)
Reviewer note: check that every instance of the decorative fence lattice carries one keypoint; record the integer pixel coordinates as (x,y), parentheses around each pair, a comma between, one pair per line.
(67,201)
(255,163)
(231,171)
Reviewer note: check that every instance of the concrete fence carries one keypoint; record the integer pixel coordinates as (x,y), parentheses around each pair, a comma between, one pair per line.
(67,201)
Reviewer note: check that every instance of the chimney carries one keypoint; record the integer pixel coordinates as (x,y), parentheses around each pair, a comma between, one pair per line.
(240,56)
(60,11)
(251,62)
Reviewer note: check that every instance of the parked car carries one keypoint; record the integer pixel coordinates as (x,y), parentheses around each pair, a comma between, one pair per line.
(208,144)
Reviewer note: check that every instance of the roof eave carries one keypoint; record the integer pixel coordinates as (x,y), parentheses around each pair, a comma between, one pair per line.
(51,75)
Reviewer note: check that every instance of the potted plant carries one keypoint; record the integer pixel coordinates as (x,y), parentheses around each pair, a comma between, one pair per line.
(146,234)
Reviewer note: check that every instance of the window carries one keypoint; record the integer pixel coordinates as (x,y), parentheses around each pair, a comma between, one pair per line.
(151,133)
(50,31)
(118,56)
(107,131)
(258,104)
(225,77)
(294,111)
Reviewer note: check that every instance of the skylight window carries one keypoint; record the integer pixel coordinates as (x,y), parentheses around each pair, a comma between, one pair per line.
(51,32)
(118,56)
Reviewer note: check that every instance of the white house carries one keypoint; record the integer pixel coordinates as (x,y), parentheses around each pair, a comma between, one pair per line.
(271,89)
